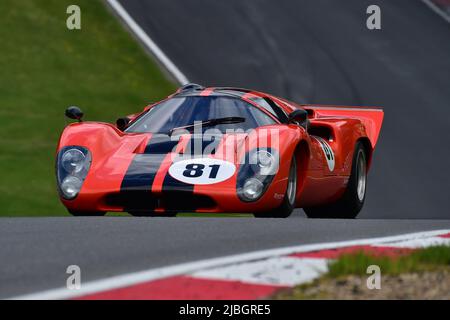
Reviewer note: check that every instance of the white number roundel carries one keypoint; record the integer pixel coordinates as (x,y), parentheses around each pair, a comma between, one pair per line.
(202,170)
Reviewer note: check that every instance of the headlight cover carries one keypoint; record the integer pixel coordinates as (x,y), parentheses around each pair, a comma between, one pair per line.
(256,173)
(73,161)
(72,167)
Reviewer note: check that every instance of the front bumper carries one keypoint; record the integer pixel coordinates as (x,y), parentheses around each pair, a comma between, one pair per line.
(200,200)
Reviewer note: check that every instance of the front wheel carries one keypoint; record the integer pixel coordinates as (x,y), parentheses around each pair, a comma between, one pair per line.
(288,204)
(351,203)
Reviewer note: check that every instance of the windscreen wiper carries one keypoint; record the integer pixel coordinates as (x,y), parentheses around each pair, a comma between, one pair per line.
(210,123)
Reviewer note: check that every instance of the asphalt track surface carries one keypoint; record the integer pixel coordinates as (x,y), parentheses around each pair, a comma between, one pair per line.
(310,51)
(35,254)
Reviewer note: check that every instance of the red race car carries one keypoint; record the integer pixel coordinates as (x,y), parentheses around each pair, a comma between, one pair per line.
(220,150)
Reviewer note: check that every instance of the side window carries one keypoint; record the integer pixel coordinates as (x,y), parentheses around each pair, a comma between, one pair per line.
(263,103)
(260,117)
(272,107)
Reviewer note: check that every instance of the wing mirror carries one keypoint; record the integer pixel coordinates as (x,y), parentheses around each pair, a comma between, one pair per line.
(74,113)
(122,123)
(299,116)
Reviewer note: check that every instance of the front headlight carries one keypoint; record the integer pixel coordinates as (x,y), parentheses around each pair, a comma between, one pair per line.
(256,173)
(73,161)
(252,189)
(71,186)
(72,167)
(265,162)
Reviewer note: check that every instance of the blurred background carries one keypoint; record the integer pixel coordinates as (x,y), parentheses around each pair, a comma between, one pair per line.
(308,51)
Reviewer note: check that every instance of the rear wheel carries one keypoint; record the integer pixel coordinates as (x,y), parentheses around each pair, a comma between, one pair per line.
(351,203)
(288,204)
(87,213)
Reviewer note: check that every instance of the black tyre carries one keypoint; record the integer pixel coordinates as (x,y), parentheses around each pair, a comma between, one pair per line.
(288,204)
(87,213)
(352,201)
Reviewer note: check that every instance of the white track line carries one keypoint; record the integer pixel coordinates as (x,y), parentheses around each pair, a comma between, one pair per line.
(277,271)
(148,42)
(436,9)
(191,267)
(168,64)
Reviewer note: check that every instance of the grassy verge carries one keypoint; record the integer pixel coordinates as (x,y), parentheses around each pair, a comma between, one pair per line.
(421,274)
(45,68)
(418,261)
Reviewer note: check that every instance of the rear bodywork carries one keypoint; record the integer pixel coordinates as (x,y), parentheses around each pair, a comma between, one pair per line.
(130,171)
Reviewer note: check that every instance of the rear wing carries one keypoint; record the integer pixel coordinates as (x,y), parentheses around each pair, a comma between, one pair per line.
(371,117)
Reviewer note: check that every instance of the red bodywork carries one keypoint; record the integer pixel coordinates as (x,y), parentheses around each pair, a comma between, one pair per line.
(113,151)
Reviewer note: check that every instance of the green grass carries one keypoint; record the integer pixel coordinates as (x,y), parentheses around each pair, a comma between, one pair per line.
(44,68)
(417,261)
(426,260)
